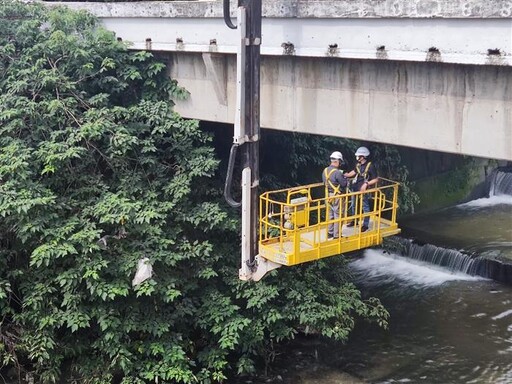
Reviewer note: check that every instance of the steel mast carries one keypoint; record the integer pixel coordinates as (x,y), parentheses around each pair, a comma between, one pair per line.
(247,133)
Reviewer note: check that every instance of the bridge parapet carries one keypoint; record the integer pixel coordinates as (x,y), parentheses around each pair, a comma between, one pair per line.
(312,8)
(451,31)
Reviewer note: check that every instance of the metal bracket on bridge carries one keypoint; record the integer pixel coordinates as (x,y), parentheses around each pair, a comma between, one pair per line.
(246,139)
(255,41)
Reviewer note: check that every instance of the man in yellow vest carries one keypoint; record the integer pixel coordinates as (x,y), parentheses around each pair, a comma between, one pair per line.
(335,184)
(365,176)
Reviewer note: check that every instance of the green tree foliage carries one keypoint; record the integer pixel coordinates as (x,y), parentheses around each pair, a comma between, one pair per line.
(97,172)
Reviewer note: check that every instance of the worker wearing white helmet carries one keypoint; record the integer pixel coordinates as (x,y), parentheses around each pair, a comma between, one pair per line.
(335,184)
(365,176)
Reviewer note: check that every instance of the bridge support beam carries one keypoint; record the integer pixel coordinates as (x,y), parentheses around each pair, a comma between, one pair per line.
(462,109)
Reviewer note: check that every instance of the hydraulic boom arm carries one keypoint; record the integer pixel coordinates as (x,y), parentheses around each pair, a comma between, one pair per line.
(247,133)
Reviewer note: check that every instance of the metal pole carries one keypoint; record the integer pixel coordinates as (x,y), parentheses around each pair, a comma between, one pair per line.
(247,135)
(250,150)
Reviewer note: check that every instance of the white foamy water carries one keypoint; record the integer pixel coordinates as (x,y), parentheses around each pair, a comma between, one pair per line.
(503,314)
(487,202)
(376,263)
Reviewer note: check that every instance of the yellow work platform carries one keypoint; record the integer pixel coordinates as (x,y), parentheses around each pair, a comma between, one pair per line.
(294,222)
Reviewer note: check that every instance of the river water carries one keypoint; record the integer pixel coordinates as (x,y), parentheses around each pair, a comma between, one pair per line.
(447,324)
(482,226)
(445,327)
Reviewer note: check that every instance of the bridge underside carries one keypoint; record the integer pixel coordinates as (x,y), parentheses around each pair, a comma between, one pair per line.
(454,108)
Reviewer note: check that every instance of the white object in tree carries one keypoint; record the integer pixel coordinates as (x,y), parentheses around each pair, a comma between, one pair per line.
(144,272)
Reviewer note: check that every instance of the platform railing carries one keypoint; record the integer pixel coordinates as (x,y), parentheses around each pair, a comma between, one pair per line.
(294,221)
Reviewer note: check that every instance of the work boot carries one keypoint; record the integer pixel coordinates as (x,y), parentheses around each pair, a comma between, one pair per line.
(350,224)
(364,228)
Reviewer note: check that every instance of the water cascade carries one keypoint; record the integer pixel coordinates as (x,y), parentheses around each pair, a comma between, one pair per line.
(500,183)
(451,259)
(473,238)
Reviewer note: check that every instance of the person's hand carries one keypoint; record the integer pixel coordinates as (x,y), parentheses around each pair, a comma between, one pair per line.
(364,187)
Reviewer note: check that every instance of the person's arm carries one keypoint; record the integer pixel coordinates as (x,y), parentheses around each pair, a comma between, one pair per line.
(350,174)
(372,182)
(342,180)
(374,179)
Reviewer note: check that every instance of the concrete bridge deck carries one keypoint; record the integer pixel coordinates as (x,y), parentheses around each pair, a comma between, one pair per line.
(432,74)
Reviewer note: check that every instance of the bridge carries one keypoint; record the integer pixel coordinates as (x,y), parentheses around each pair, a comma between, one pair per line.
(431,74)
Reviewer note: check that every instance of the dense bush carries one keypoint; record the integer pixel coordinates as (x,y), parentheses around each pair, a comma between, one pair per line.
(96,173)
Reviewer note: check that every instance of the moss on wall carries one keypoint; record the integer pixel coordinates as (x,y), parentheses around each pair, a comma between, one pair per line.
(450,187)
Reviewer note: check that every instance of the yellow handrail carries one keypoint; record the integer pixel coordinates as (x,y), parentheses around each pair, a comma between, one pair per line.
(294,221)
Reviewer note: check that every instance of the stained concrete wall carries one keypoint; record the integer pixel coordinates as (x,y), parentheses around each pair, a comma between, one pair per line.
(435,106)
(310,8)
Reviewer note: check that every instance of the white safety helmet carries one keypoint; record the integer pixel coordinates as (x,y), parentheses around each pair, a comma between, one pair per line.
(337,156)
(363,151)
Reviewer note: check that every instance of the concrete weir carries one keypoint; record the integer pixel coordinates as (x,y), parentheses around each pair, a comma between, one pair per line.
(431,74)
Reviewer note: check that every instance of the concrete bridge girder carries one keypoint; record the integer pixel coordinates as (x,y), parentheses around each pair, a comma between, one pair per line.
(431,74)
(436,106)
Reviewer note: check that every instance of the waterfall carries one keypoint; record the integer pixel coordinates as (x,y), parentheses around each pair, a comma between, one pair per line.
(451,259)
(497,183)
(500,183)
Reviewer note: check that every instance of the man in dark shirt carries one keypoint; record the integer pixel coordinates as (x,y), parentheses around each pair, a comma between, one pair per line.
(365,176)
(335,184)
